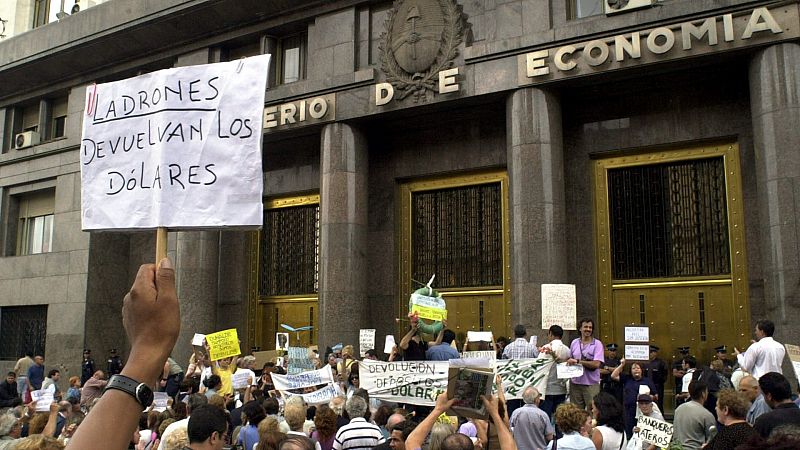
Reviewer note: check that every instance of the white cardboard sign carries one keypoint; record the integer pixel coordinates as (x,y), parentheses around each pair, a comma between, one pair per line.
(43,399)
(160,401)
(480,336)
(177,148)
(637,352)
(366,341)
(654,431)
(637,334)
(389,344)
(558,306)
(564,371)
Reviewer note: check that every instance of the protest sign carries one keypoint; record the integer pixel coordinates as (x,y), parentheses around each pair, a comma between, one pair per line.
(465,387)
(389,344)
(197,339)
(480,354)
(475,336)
(177,148)
(558,306)
(240,379)
(794,356)
(318,397)
(299,360)
(282,341)
(518,374)
(43,399)
(223,344)
(303,380)
(366,341)
(637,334)
(414,382)
(160,400)
(564,371)
(431,308)
(265,357)
(654,431)
(637,352)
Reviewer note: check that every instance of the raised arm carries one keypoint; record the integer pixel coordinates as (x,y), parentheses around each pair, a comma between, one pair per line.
(417,437)
(151,317)
(617,370)
(407,338)
(503,432)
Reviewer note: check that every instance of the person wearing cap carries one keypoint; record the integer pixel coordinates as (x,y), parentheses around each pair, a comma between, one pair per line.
(588,352)
(114,363)
(632,384)
(656,370)
(87,366)
(646,407)
(607,384)
(727,364)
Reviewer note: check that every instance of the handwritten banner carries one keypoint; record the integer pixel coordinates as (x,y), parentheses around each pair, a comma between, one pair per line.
(480,354)
(637,352)
(793,351)
(654,431)
(241,378)
(43,399)
(177,148)
(303,380)
(558,306)
(366,341)
(414,382)
(431,308)
(564,371)
(160,401)
(637,334)
(318,397)
(223,344)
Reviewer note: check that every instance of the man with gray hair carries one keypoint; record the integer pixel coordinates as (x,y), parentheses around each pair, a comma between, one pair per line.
(358,434)
(530,425)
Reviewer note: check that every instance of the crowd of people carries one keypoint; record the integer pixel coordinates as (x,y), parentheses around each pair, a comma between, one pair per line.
(745,403)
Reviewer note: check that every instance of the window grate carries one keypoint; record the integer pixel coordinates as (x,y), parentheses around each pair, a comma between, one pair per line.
(290,251)
(24,329)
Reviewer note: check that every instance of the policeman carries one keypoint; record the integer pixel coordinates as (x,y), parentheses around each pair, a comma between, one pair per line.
(612,362)
(657,372)
(87,366)
(114,363)
(727,364)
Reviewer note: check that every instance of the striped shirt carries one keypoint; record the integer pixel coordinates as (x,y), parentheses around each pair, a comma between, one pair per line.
(519,349)
(358,434)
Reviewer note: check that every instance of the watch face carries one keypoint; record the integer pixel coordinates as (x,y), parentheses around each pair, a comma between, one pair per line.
(144,394)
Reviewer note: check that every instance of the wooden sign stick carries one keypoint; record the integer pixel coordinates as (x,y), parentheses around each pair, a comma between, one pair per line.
(161,244)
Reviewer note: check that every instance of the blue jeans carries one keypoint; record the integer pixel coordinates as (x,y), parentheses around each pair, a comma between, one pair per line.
(22,384)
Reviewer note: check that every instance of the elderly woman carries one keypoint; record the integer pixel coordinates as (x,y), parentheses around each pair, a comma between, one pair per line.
(646,407)
(732,409)
(10,431)
(570,420)
(631,385)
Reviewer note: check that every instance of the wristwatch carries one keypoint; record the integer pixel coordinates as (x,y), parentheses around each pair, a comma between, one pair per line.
(140,391)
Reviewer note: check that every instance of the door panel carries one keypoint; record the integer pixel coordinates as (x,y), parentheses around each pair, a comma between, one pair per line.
(293,313)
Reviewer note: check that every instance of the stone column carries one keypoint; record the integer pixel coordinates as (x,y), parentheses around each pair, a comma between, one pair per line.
(536,196)
(775,106)
(196,276)
(343,269)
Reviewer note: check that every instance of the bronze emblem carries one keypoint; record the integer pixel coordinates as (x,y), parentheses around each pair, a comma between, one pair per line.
(421,39)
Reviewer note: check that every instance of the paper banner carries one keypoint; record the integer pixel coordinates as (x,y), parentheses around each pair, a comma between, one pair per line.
(198,339)
(177,148)
(366,341)
(637,352)
(637,334)
(160,400)
(303,380)
(654,431)
(558,306)
(518,374)
(414,382)
(43,399)
(475,336)
(564,371)
(240,378)
(480,354)
(318,397)
(223,344)
(389,344)
(431,308)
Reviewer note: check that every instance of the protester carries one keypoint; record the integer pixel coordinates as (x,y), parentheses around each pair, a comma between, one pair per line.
(207,428)
(269,434)
(778,395)
(609,433)
(358,433)
(656,370)
(36,373)
(325,424)
(588,352)
(647,408)
(74,390)
(758,406)
(412,346)
(21,369)
(693,424)
(248,435)
(678,372)
(171,377)
(52,379)
(732,408)
(93,388)
(520,347)
(632,385)
(530,425)
(556,392)
(399,434)
(765,354)
(193,402)
(9,396)
(443,351)
(570,420)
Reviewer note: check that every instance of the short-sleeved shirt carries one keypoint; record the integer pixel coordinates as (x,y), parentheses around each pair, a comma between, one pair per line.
(692,423)
(442,352)
(592,351)
(530,426)
(358,434)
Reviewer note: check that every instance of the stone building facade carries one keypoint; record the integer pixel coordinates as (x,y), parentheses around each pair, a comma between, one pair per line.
(645,156)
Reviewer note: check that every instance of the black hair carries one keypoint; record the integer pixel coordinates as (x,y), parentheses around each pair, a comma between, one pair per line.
(271,406)
(12,373)
(690,361)
(212,381)
(519,331)
(609,411)
(204,421)
(766,326)
(254,411)
(196,401)
(52,373)
(405,427)
(557,331)
(696,389)
(457,441)
(776,385)
(448,336)
(586,320)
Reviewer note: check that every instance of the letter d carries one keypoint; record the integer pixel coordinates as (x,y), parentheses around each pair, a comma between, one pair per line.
(384,92)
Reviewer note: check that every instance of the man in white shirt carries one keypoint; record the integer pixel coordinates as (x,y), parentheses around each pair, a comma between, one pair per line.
(556,392)
(765,354)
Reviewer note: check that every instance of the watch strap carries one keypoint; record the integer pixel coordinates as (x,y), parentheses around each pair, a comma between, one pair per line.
(131,387)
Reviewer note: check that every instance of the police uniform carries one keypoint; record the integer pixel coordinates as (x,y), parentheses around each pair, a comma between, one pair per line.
(727,364)
(87,366)
(114,363)
(657,372)
(606,383)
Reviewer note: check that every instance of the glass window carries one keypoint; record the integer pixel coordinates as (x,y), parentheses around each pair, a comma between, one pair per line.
(58,119)
(292,51)
(24,330)
(30,118)
(35,224)
(586,8)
